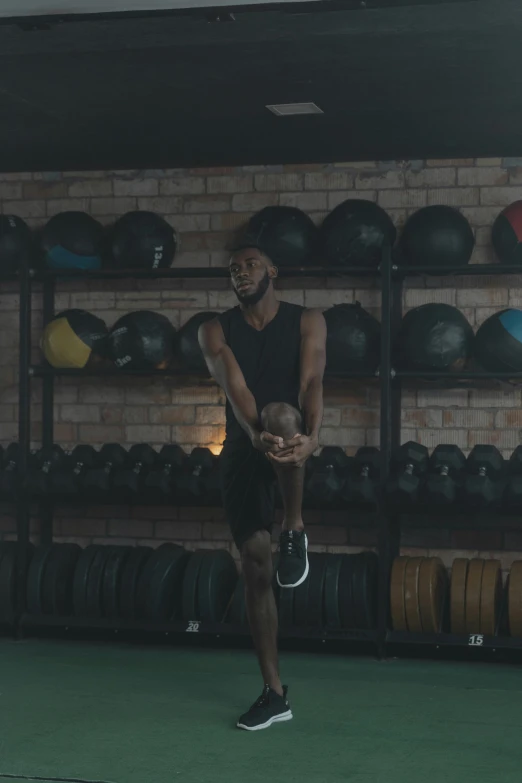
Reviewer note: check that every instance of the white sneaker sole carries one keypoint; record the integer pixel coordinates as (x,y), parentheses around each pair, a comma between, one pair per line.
(284,716)
(307,568)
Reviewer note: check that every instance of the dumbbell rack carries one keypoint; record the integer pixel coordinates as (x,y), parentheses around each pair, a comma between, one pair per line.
(388,522)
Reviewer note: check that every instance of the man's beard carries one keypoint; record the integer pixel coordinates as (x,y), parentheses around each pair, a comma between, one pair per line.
(258,294)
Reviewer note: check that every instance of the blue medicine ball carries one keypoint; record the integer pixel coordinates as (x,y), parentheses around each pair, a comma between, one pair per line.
(498,343)
(73,240)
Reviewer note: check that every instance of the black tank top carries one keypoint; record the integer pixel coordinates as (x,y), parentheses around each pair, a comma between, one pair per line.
(269,359)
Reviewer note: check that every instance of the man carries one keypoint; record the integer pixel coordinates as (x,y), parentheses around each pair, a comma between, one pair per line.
(269,357)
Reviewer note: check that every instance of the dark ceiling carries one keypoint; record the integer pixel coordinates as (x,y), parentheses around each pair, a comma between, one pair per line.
(404,80)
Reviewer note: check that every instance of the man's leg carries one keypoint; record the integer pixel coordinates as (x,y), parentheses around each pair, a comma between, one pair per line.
(256,559)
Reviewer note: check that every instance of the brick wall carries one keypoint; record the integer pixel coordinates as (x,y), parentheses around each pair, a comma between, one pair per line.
(205,205)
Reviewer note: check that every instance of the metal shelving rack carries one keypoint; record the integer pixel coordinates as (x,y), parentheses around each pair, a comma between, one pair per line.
(390,381)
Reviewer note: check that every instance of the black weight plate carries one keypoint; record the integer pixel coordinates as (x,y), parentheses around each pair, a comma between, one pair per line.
(332,617)
(237,613)
(286,606)
(58,578)
(8,551)
(190,584)
(35,577)
(301,596)
(81,576)
(316,590)
(216,583)
(112,580)
(364,578)
(130,578)
(166,590)
(94,592)
(346,605)
(143,588)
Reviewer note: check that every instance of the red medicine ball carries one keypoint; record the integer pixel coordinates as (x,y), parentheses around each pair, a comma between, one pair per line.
(506,234)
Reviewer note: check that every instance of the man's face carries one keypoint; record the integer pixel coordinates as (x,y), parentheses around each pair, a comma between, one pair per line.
(251,275)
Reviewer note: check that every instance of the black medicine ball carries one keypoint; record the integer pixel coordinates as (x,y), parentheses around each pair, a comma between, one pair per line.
(498,342)
(16,244)
(353,342)
(434,337)
(142,341)
(74,339)
(354,234)
(436,236)
(143,240)
(73,240)
(285,234)
(188,350)
(506,234)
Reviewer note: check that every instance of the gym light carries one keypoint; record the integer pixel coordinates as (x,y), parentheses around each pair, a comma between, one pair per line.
(289,109)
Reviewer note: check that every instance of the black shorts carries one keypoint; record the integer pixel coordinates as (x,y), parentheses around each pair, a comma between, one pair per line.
(248,489)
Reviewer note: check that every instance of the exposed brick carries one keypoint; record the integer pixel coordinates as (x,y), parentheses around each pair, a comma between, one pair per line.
(80,413)
(432,438)
(164,205)
(213,204)
(449,162)
(325,534)
(415,297)
(229,221)
(488,162)
(331,417)
(184,223)
(83,527)
(507,418)
(359,417)
(327,298)
(402,198)
(216,531)
(135,528)
(135,187)
(278,183)
(477,297)
(196,434)
(500,196)
(425,537)
(10,191)
(110,415)
(45,190)
(486,398)
(503,439)
(374,181)
(211,414)
(331,436)
(475,419)
(243,184)
(135,414)
(178,528)
(101,433)
(209,240)
(476,539)
(116,206)
(305,201)
(25,209)
(337,197)
(182,186)
(99,394)
(177,414)
(90,188)
(431,178)
(515,176)
(480,216)
(149,433)
(425,417)
(454,197)
(473,177)
(148,395)
(335,180)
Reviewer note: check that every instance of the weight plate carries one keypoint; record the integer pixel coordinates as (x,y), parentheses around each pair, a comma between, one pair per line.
(490,597)
(94,593)
(432,594)
(35,576)
(112,577)
(332,616)
(515,599)
(190,584)
(155,560)
(411,594)
(58,578)
(216,583)
(237,613)
(81,576)
(459,577)
(364,576)
(316,578)
(301,594)
(8,561)
(129,580)
(286,607)
(166,585)
(346,607)
(397,592)
(473,591)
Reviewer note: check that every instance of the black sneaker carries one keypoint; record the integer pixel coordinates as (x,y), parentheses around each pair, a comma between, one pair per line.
(293,558)
(269,708)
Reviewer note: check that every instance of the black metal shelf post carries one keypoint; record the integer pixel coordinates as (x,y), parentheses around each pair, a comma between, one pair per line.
(46,506)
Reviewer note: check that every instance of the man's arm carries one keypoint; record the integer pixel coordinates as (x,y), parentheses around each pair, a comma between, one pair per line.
(313,362)
(223,367)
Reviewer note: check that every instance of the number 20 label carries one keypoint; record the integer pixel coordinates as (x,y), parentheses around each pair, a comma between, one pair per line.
(192,627)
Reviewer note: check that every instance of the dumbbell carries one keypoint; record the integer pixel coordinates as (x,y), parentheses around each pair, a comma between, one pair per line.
(8,474)
(446,467)
(361,487)
(512,500)
(169,461)
(128,482)
(409,463)
(97,482)
(67,479)
(330,471)
(191,482)
(46,462)
(482,485)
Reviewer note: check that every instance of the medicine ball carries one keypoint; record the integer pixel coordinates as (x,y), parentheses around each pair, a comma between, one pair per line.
(436,236)
(354,234)
(434,337)
(285,234)
(188,350)
(353,341)
(142,341)
(506,234)
(498,342)
(16,244)
(143,240)
(74,338)
(73,240)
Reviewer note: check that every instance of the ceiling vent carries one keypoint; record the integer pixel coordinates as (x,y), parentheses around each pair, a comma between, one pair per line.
(290,109)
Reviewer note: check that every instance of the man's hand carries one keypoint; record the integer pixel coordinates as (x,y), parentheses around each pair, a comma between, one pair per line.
(270,444)
(295,451)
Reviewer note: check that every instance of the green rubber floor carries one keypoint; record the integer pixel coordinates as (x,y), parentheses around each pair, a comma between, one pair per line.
(160,715)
